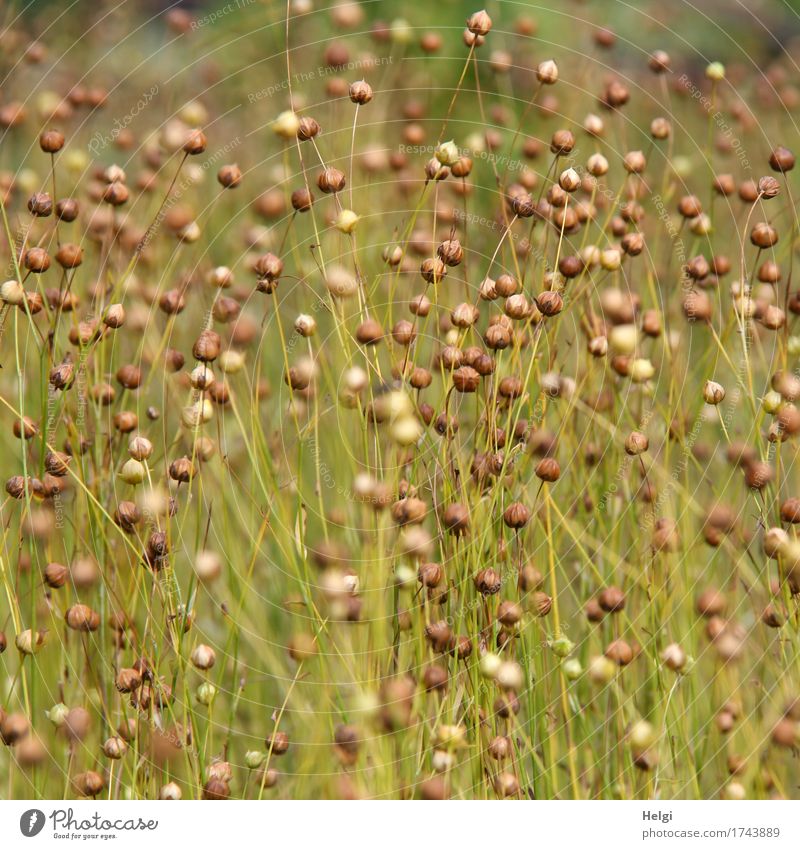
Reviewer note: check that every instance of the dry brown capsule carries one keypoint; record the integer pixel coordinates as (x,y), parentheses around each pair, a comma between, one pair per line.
(612,600)
(25,428)
(331,180)
(81,617)
(307,129)
(13,728)
(67,209)
(456,519)
(620,652)
(768,188)
(562,142)
(181,470)
(548,470)
(763,235)
(509,613)
(790,510)
(430,574)
(302,200)
(360,92)
(40,205)
(659,62)
(16,487)
(127,516)
(277,743)
(207,347)
(57,463)
(128,680)
(88,783)
(369,332)
(36,260)
(157,549)
(758,474)
(229,176)
(450,252)
(116,194)
(516,515)
(462,167)
(636,443)
(69,255)
(420,378)
(499,748)
(195,144)
(550,303)
(432,270)
(51,141)
(479,23)
(55,575)
(129,376)
(781,159)
(488,582)
(466,379)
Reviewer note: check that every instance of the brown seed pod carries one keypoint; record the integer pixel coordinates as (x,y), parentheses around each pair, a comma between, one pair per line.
(758,474)
(435,678)
(196,143)
(548,470)
(509,613)
(51,141)
(307,129)
(81,617)
(488,582)
(36,260)
(229,176)
(302,200)
(369,332)
(57,463)
(466,379)
(550,303)
(763,235)
(207,347)
(25,428)
(620,652)
(40,205)
(430,574)
(129,376)
(455,518)
(69,255)
(331,180)
(360,92)
(55,575)
(277,743)
(181,470)
(612,600)
(432,270)
(781,159)
(516,515)
(14,727)
(67,209)
(790,510)
(127,516)
(562,142)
